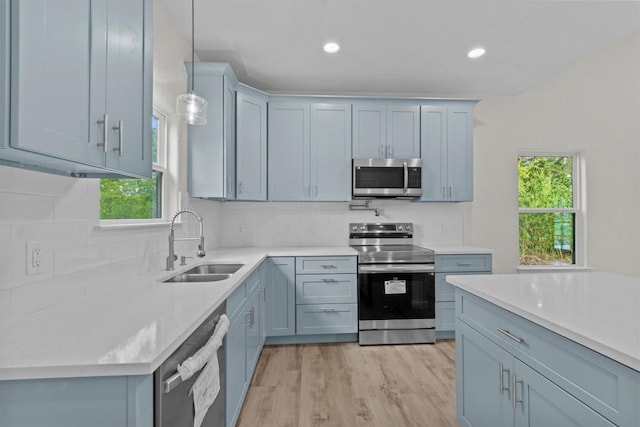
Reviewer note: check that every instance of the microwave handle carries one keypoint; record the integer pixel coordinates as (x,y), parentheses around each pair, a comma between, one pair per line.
(406,178)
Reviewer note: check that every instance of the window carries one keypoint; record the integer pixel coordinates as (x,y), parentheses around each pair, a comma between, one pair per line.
(549,215)
(138,199)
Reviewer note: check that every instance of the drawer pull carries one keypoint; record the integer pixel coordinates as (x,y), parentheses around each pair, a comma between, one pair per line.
(329,310)
(329,266)
(329,280)
(510,335)
(464,264)
(502,387)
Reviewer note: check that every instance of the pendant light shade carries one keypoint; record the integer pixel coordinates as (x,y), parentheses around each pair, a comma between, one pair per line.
(191,108)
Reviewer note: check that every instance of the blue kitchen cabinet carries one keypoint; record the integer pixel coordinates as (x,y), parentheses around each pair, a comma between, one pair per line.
(80,87)
(280,296)
(251,144)
(244,340)
(447,152)
(446,264)
(288,156)
(309,152)
(386,130)
(211,147)
(125,401)
(511,371)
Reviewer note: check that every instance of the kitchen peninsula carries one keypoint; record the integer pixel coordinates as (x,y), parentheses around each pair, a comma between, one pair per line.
(548,349)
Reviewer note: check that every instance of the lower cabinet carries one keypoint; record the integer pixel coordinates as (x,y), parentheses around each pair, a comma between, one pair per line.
(445,295)
(244,341)
(534,377)
(314,319)
(281,296)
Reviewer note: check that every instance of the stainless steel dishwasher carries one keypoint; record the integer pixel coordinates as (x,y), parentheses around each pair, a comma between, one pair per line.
(172,402)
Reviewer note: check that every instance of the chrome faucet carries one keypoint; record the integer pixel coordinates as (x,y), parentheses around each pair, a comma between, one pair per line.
(172,255)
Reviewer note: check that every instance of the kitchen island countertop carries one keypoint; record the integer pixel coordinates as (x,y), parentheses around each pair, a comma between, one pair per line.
(598,310)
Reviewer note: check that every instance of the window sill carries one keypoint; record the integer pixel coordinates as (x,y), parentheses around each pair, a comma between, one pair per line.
(552,268)
(118,225)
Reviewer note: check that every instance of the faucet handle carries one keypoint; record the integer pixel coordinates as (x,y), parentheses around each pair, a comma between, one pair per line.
(183,259)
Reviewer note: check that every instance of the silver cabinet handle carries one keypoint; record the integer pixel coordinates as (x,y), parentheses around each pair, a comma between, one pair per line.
(329,266)
(501,373)
(510,335)
(464,264)
(329,280)
(514,383)
(315,191)
(406,177)
(329,310)
(390,151)
(105,132)
(450,191)
(239,188)
(120,129)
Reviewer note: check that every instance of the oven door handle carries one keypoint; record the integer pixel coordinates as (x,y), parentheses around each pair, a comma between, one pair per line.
(396,268)
(406,178)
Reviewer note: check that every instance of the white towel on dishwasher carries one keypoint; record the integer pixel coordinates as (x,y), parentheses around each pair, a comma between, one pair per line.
(207,385)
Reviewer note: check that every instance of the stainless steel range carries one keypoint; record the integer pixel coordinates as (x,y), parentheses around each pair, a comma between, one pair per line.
(396,285)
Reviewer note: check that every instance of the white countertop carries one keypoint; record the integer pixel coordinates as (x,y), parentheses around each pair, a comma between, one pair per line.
(131,324)
(458,250)
(598,310)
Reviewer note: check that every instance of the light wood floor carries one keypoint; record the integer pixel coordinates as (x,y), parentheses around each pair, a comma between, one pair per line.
(348,385)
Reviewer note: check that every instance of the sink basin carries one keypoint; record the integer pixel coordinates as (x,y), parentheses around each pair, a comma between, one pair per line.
(215,269)
(186,277)
(206,273)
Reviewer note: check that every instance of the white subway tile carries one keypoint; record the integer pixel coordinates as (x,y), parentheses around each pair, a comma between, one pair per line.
(31,182)
(67,261)
(23,208)
(68,209)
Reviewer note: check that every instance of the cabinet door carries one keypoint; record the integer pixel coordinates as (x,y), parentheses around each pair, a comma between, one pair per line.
(403,131)
(369,131)
(253,332)
(288,152)
(331,152)
(251,147)
(5,50)
(433,141)
(460,153)
(229,139)
(236,368)
(281,296)
(541,403)
(483,373)
(127,150)
(52,53)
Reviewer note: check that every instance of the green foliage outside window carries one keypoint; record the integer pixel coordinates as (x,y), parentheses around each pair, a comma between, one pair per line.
(134,198)
(546,182)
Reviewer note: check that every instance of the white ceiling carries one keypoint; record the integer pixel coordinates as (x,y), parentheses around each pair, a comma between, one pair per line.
(401,47)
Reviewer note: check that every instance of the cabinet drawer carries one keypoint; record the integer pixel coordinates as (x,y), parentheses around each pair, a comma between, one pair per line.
(236,300)
(466,262)
(445,316)
(315,319)
(326,288)
(605,385)
(326,265)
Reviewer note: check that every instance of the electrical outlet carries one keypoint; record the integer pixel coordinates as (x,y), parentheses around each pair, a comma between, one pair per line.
(35,257)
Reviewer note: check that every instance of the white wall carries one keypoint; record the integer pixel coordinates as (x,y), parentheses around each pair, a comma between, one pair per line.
(592,107)
(63,212)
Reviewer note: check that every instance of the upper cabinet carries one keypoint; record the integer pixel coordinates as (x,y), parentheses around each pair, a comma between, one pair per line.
(79,76)
(386,130)
(211,152)
(251,144)
(447,152)
(309,151)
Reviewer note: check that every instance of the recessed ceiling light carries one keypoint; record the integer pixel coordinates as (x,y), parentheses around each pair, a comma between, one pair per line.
(476,53)
(331,47)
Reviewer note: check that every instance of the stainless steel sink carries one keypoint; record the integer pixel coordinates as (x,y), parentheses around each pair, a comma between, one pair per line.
(206,273)
(215,269)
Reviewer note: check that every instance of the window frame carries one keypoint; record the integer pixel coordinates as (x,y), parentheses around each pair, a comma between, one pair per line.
(159,166)
(577,209)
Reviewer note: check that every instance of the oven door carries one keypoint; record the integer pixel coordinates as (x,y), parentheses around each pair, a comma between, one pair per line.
(396,296)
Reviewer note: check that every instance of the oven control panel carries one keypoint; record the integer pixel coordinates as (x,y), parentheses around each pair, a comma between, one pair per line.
(381,228)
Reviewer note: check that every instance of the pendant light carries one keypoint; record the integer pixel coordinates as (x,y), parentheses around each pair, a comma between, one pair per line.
(190,107)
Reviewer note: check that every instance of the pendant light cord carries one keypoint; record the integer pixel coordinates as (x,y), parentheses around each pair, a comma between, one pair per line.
(193,46)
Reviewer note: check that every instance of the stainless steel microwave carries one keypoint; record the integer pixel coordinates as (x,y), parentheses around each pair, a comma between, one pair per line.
(387,178)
